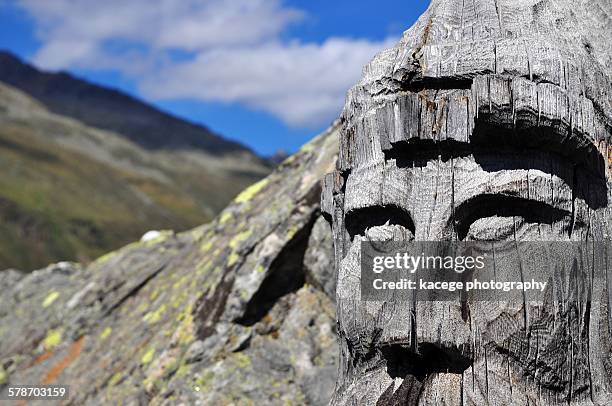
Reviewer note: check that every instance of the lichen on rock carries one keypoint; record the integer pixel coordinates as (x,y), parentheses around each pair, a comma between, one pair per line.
(157,319)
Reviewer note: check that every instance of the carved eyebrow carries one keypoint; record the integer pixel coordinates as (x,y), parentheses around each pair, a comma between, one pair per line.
(488,205)
(417,152)
(357,221)
(584,183)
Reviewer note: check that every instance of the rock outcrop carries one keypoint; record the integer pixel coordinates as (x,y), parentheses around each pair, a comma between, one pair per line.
(112,110)
(240,309)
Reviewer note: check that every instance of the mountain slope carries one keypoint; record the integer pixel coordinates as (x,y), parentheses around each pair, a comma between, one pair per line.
(112,110)
(239,310)
(71,192)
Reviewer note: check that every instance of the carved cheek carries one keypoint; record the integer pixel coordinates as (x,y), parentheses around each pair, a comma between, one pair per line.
(349,274)
(355,316)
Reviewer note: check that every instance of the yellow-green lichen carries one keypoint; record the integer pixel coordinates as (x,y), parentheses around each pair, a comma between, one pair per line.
(142,307)
(180,282)
(155,316)
(242,360)
(154,295)
(3,376)
(185,331)
(171,367)
(299,399)
(203,266)
(307,147)
(204,381)
(225,216)
(260,269)
(288,160)
(148,356)
(185,313)
(240,237)
(104,258)
(291,232)
(114,379)
(206,247)
(251,191)
(105,333)
(53,339)
(177,302)
(232,258)
(197,233)
(51,297)
(182,371)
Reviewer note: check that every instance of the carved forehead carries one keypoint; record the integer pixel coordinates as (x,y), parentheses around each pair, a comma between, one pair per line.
(440,83)
(542,40)
(495,112)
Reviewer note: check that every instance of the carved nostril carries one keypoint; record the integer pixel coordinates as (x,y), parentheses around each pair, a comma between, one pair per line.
(431,358)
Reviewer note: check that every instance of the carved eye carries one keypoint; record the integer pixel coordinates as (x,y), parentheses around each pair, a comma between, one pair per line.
(359,220)
(496,217)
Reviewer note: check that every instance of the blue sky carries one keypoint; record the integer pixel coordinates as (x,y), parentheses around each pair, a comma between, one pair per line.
(268,73)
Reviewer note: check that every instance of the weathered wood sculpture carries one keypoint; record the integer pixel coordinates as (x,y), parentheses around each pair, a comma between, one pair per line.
(490,119)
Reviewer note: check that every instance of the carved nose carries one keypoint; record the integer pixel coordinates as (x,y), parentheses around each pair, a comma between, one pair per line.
(433,224)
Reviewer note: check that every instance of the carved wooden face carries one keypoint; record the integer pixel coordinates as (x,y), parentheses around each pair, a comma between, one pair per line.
(451,192)
(435,151)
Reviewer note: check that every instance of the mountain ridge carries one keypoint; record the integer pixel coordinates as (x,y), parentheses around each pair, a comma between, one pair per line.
(112,109)
(70,191)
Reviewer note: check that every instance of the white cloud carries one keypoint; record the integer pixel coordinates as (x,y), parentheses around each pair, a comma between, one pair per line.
(232,51)
(303,84)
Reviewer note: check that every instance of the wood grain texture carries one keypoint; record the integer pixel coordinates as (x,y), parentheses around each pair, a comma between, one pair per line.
(490,119)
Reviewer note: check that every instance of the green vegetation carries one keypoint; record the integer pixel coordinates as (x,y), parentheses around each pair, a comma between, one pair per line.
(69,192)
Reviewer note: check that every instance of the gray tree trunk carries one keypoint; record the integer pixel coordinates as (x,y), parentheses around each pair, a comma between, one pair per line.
(503,105)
